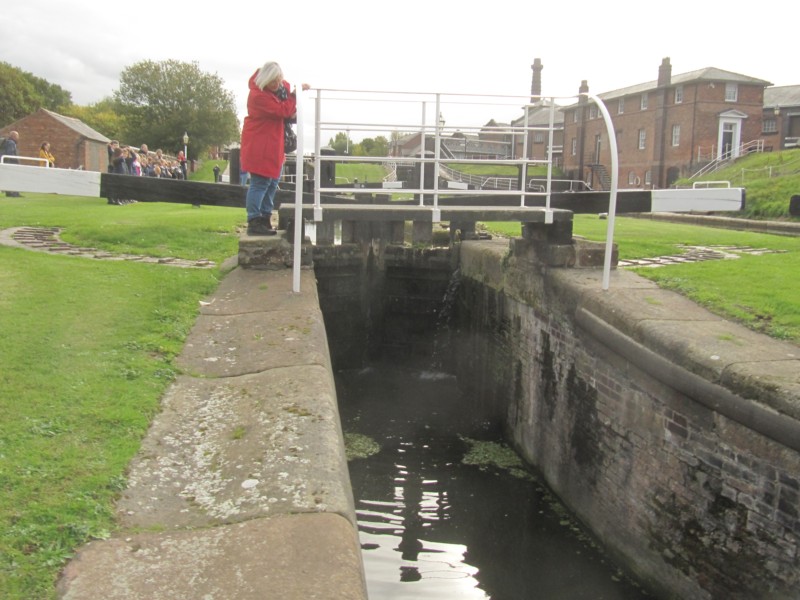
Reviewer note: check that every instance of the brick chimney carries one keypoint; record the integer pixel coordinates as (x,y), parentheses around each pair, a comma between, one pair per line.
(536,81)
(584,89)
(665,73)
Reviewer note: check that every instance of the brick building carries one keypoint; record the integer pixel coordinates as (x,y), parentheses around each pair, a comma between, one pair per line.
(74,144)
(538,118)
(665,129)
(781,120)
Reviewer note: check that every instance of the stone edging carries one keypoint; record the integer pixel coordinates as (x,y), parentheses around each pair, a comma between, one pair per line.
(46,239)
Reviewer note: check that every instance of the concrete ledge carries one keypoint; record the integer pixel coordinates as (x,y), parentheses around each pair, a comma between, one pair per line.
(240,488)
(270,252)
(282,557)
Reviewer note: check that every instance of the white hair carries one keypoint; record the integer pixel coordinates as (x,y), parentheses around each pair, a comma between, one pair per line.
(268,73)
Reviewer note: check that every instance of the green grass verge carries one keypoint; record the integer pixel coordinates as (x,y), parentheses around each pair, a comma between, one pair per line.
(87,351)
(759,291)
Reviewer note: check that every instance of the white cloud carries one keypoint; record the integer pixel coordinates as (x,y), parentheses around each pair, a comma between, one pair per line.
(411,45)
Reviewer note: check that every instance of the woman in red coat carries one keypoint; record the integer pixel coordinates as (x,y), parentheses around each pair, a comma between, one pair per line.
(270,102)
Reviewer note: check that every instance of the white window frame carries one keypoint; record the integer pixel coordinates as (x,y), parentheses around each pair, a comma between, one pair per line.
(643,102)
(731,92)
(678,94)
(676,135)
(642,139)
(632,178)
(621,106)
(574,146)
(648,177)
(770,126)
(592,112)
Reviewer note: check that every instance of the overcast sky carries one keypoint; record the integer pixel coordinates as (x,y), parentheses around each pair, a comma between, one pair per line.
(409,45)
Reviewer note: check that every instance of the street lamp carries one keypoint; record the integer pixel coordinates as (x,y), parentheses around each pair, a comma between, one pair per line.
(185,155)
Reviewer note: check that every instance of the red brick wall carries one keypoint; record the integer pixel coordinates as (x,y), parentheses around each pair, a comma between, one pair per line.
(71,150)
(698,116)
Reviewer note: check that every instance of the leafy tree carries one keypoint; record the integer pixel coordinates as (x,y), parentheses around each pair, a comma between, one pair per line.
(53,96)
(342,143)
(381,147)
(378,146)
(159,101)
(22,93)
(104,117)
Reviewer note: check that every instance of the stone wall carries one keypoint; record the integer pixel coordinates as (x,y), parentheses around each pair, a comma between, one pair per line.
(671,433)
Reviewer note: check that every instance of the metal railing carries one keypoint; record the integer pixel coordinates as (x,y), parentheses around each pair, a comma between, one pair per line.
(729,156)
(382,112)
(429,108)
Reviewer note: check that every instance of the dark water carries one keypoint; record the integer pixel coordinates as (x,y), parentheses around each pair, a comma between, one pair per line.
(432,527)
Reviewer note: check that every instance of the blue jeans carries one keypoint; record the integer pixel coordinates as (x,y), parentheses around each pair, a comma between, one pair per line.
(260,196)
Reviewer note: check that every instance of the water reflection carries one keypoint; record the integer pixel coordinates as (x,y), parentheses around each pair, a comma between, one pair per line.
(435,528)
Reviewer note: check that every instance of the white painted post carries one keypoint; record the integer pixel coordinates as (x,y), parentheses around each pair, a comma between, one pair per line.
(298,198)
(612,200)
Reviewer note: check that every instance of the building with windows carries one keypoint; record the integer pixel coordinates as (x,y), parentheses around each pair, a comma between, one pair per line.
(781,119)
(665,129)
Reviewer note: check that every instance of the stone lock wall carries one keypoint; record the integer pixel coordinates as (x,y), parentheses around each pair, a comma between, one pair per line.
(670,432)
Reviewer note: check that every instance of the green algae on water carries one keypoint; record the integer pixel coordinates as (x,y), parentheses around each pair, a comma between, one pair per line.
(487,454)
(357,445)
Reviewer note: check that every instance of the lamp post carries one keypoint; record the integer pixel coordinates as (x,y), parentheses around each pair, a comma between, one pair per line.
(185,154)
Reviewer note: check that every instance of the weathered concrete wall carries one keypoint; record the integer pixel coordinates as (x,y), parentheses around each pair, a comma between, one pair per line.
(672,433)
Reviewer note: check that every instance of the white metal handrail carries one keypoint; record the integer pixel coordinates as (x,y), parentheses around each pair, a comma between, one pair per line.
(431,126)
(12,159)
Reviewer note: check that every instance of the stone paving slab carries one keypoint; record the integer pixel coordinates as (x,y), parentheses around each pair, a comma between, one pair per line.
(272,339)
(281,558)
(230,449)
(245,291)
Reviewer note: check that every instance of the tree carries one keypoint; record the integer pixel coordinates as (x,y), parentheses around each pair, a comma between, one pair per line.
(103,116)
(22,93)
(341,144)
(160,101)
(378,146)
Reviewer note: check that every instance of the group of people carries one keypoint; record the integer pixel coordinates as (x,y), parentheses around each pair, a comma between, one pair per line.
(126,160)
(270,103)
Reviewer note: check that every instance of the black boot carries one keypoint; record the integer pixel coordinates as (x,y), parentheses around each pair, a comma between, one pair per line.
(259,226)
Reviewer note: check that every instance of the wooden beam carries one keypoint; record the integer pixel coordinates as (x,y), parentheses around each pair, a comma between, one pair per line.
(159,189)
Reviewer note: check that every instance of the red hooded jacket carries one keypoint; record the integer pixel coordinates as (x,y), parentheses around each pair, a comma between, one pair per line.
(262,134)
